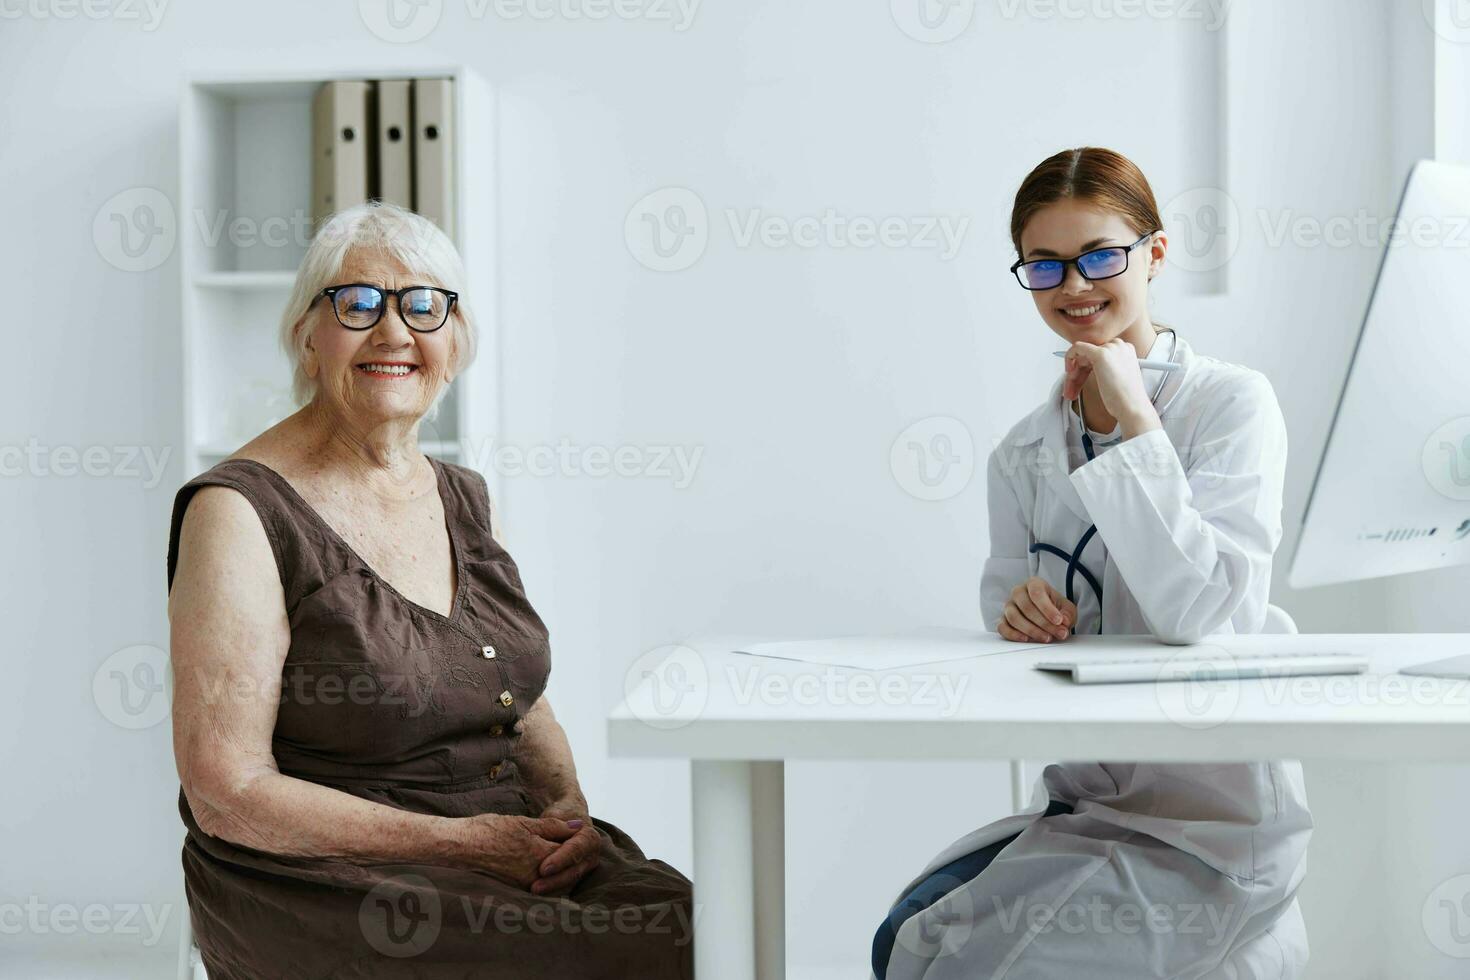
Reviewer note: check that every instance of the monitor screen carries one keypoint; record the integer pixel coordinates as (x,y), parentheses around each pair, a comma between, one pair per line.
(1392,489)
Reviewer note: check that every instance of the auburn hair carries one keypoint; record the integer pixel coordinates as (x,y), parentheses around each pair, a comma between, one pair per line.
(1089,173)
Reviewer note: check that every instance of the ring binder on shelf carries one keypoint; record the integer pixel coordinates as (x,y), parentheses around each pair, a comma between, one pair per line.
(340,174)
(433,109)
(395,142)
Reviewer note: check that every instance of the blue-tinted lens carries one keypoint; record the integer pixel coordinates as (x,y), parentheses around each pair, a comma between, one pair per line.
(1103,263)
(358,306)
(1043,274)
(424,309)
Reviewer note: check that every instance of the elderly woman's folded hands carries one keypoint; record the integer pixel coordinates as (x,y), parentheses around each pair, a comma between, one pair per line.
(514,848)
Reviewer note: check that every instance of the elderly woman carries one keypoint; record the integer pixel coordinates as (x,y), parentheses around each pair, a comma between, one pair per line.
(372,780)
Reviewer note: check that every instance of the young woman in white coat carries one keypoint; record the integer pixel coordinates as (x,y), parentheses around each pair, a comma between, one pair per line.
(1130,501)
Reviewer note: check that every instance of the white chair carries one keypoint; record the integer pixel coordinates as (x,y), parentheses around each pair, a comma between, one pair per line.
(1278,620)
(191,965)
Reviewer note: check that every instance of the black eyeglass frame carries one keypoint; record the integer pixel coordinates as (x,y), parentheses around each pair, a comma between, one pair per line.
(331,293)
(1077,262)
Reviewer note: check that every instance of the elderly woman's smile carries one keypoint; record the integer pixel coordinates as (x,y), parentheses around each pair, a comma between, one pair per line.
(387,370)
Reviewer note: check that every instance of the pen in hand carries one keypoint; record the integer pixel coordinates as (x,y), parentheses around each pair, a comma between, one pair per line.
(1143,363)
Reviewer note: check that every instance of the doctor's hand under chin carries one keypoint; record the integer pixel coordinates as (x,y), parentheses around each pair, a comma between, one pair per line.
(1036,613)
(1119,378)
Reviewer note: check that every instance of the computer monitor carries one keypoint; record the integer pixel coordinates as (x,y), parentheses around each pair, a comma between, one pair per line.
(1392,490)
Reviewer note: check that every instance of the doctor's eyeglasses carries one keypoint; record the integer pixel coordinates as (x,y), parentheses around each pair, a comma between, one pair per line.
(1100,263)
(360,305)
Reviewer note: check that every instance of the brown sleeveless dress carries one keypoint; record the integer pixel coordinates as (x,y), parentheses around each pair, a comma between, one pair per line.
(395,703)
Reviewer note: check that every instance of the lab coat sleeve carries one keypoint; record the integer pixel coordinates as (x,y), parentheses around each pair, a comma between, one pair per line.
(1195,547)
(1009,563)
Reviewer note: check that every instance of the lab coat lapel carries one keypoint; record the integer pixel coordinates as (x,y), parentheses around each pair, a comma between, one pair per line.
(1164,403)
(1055,461)
(1059,416)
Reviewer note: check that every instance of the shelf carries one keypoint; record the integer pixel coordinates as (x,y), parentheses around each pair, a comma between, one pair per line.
(263,281)
(245,151)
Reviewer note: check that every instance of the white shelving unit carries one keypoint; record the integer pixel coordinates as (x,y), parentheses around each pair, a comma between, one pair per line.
(244,213)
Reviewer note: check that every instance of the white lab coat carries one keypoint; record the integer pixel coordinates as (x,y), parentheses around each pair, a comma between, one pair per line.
(1188,518)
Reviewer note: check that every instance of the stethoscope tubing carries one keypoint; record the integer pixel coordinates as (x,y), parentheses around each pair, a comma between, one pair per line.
(1074,559)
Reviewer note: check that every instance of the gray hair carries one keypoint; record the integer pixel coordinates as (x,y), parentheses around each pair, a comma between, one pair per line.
(410,238)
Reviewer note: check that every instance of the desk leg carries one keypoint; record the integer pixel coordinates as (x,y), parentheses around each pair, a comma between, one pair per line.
(740,904)
(1018,785)
(769,826)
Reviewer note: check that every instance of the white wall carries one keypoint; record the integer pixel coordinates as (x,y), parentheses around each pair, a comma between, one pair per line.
(1418,802)
(791,370)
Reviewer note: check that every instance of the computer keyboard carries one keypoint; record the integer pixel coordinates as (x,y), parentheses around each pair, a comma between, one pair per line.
(1216,664)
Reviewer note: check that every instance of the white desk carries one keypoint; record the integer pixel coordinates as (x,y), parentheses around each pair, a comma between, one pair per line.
(738,718)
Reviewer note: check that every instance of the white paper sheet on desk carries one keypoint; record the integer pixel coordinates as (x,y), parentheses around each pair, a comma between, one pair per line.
(886,652)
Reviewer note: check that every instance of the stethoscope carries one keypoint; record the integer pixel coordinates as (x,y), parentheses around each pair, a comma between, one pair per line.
(1074,559)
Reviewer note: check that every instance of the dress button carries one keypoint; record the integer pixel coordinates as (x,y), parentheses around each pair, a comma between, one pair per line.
(506,699)
(488,652)
(497,730)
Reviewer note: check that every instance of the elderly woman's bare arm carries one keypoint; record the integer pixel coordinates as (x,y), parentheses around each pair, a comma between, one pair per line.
(545,759)
(230,637)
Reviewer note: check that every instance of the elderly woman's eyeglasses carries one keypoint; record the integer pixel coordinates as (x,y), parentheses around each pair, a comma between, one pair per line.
(360,305)
(1100,263)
